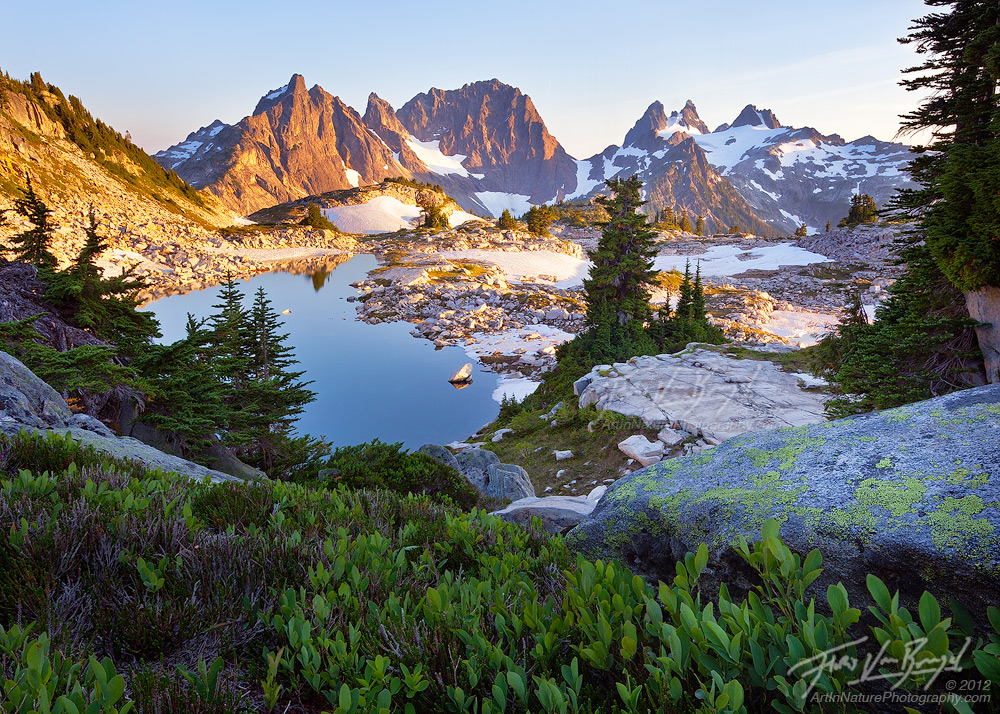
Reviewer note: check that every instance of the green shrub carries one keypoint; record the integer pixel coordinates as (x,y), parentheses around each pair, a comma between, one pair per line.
(613,421)
(363,602)
(379,465)
(315,219)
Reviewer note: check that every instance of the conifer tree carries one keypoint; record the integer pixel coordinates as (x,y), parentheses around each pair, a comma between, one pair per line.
(699,226)
(617,291)
(32,245)
(956,205)
(104,306)
(801,232)
(668,217)
(538,219)
(828,226)
(862,210)
(685,225)
(506,222)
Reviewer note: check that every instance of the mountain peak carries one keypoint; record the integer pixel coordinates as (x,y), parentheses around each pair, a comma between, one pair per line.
(655,125)
(751,116)
(688,116)
(295,85)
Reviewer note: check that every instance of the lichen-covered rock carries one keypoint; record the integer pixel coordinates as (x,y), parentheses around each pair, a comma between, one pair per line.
(26,400)
(910,494)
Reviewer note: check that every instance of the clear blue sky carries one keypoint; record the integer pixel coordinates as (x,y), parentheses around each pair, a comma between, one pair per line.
(164,69)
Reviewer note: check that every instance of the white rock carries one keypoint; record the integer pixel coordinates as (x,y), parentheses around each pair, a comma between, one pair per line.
(641,449)
(562,455)
(462,375)
(596,494)
(670,437)
(498,434)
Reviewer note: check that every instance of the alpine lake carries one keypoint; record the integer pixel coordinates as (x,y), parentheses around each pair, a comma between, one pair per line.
(371,381)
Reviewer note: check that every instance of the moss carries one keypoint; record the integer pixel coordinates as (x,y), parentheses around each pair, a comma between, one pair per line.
(964,477)
(895,416)
(884,463)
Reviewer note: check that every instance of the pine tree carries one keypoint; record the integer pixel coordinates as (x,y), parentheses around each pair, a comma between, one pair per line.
(32,245)
(668,217)
(106,307)
(828,226)
(699,226)
(538,219)
(506,222)
(685,299)
(801,232)
(862,210)
(956,205)
(315,219)
(617,291)
(698,314)
(685,223)
(273,395)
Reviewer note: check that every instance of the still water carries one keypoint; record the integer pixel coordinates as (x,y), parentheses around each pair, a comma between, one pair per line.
(371,381)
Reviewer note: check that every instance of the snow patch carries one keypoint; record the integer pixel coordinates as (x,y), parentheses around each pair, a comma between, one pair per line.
(457,218)
(516,388)
(567,270)
(382,214)
(276,93)
(353,177)
(584,185)
(430,153)
(496,201)
(723,260)
(800,328)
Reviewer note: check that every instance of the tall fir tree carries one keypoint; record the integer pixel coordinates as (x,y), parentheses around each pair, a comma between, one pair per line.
(685,224)
(699,226)
(506,222)
(617,291)
(33,245)
(956,204)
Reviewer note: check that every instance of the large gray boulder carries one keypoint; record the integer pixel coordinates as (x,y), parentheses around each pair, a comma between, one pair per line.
(704,392)
(25,400)
(484,471)
(910,494)
(29,404)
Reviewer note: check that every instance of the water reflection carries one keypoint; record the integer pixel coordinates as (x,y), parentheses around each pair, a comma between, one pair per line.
(373,381)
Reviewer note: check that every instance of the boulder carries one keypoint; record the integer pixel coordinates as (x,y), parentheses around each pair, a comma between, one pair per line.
(484,471)
(25,400)
(556,512)
(563,454)
(462,375)
(910,494)
(641,449)
(440,453)
(670,437)
(702,391)
(27,403)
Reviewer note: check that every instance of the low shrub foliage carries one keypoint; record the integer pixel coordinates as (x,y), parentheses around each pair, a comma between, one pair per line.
(146,592)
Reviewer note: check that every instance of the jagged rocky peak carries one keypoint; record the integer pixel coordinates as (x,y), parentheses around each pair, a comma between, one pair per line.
(688,116)
(751,116)
(295,86)
(655,125)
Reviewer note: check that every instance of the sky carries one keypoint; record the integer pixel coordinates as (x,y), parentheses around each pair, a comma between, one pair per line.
(161,70)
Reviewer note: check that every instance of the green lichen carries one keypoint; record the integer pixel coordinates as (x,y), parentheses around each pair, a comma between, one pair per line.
(787,454)
(897,499)
(884,463)
(964,477)
(895,416)
(954,526)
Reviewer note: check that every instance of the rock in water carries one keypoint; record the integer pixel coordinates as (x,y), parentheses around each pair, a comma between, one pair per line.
(463,375)
(910,494)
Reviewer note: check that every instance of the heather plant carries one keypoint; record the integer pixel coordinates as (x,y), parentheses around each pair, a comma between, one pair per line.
(142,591)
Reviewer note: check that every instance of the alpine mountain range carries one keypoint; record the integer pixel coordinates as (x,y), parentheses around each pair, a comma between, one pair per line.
(488,147)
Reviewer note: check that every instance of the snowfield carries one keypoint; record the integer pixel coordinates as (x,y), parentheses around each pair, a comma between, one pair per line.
(800,328)
(430,153)
(496,201)
(541,264)
(727,260)
(384,214)
(516,388)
